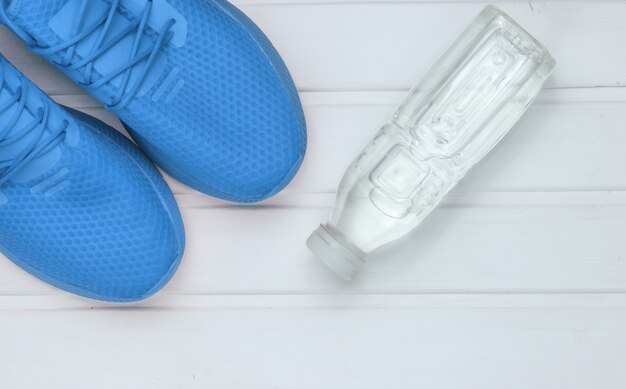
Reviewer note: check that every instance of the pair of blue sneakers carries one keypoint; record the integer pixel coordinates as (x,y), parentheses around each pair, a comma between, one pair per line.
(199,88)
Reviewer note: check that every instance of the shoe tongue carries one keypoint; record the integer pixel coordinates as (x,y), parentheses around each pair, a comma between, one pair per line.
(41,164)
(51,22)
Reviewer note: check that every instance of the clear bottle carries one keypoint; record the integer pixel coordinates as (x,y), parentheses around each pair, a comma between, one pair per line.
(466,103)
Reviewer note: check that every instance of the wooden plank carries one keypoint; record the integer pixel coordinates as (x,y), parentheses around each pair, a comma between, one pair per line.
(527,244)
(571,139)
(381,46)
(292,301)
(489,344)
(520,248)
(560,144)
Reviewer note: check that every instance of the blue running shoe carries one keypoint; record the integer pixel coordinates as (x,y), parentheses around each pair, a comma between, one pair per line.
(198,86)
(80,206)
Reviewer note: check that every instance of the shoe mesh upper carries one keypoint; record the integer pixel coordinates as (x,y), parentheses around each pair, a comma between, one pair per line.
(100,223)
(236,128)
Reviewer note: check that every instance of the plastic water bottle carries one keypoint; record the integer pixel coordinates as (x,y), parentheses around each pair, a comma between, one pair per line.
(466,103)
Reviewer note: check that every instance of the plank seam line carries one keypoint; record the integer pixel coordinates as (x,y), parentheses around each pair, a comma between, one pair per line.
(476,293)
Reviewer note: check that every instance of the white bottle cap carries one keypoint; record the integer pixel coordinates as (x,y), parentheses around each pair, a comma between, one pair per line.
(342,258)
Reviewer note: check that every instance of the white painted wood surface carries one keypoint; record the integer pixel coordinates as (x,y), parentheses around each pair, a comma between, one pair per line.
(517,281)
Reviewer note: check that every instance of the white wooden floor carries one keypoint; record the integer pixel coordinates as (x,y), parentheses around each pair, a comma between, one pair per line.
(517,281)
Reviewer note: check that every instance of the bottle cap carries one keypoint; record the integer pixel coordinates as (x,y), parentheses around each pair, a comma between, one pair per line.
(341,257)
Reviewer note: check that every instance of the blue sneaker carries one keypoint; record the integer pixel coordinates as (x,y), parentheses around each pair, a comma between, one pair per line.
(195,82)
(80,206)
